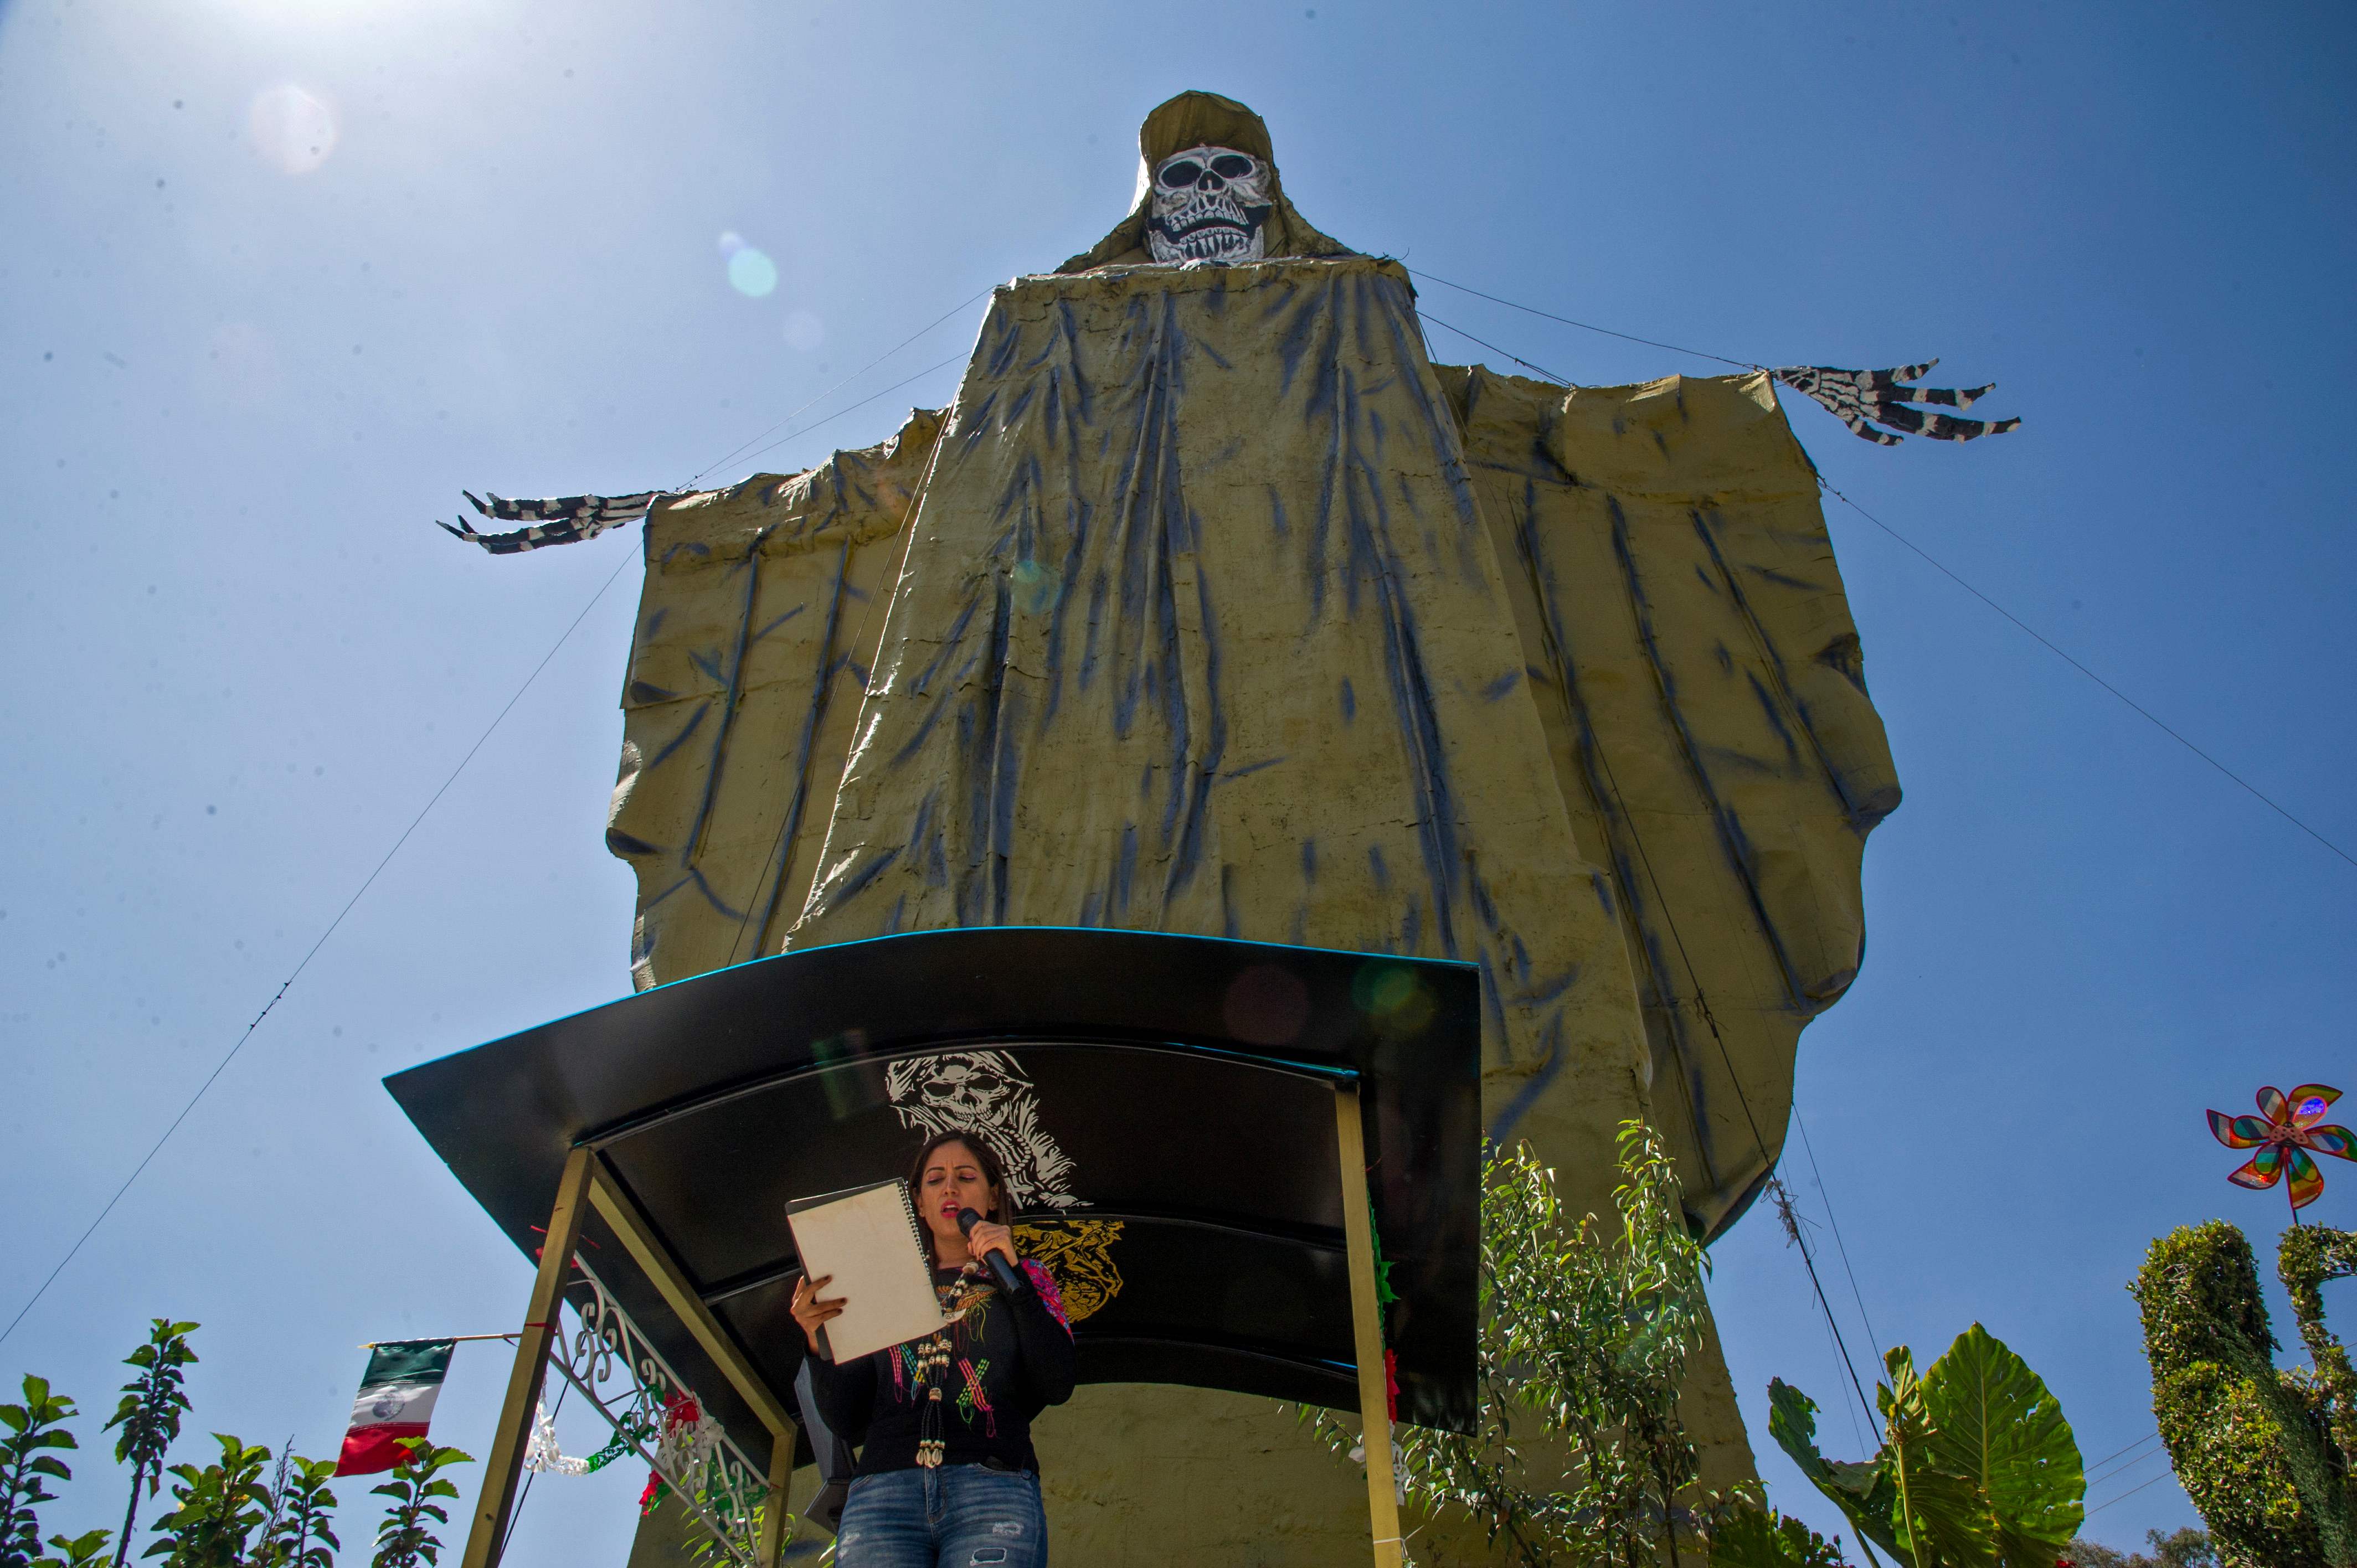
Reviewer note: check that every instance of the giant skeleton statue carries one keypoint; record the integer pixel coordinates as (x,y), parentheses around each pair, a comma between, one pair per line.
(1211,605)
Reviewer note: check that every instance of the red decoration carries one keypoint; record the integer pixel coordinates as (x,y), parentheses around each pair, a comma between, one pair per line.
(679,1410)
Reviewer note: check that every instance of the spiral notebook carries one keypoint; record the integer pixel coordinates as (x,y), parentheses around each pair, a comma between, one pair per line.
(870,1240)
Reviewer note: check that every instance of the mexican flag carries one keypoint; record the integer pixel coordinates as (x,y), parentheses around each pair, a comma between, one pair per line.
(396,1401)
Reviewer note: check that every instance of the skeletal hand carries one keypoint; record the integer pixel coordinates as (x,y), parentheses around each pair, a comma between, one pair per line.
(561,520)
(1856,397)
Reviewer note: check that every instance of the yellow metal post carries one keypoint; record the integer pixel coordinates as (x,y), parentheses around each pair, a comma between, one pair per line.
(773,1511)
(486,1539)
(1367,1328)
(671,1281)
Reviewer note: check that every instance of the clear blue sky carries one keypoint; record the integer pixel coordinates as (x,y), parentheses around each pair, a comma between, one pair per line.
(242,375)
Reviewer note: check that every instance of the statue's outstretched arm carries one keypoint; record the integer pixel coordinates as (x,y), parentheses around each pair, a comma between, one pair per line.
(561,520)
(1861,398)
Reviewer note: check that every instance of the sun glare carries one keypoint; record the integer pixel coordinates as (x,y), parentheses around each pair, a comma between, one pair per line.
(292,130)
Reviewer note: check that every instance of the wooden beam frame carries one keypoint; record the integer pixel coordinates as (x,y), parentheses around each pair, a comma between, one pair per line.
(1367,1328)
(487,1538)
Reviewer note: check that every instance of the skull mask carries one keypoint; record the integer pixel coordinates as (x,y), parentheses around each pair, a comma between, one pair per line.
(1209,206)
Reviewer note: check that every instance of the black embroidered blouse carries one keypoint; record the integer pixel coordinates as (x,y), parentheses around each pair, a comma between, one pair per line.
(1008,1360)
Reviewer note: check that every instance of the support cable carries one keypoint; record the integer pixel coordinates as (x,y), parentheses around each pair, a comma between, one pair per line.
(2116,1471)
(2132,1491)
(878,601)
(1583,326)
(2117,1451)
(1840,1245)
(370,881)
(515,1515)
(2146,714)
(1702,1004)
(2153,719)
(863,402)
(839,387)
(1542,369)
(296,974)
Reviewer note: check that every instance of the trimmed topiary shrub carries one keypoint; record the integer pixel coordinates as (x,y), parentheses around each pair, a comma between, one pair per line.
(2252,1445)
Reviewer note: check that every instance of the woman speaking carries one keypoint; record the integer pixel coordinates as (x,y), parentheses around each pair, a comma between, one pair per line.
(947,1476)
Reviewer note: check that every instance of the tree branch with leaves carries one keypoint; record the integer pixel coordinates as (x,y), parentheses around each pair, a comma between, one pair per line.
(219,1508)
(30,1435)
(1579,1455)
(149,1414)
(404,1539)
(301,1532)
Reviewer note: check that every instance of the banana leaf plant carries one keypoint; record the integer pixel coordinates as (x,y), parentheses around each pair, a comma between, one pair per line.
(1977,1467)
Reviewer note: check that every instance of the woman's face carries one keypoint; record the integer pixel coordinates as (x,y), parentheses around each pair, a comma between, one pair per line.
(953,1180)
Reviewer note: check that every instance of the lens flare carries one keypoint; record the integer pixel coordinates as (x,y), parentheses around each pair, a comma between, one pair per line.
(750,273)
(804,332)
(292,131)
(1266,1005)
(1394,997)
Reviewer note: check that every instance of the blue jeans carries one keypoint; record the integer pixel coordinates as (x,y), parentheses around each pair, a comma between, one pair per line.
(959,1515)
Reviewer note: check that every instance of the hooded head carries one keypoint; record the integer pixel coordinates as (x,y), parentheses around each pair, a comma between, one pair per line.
(1208,190)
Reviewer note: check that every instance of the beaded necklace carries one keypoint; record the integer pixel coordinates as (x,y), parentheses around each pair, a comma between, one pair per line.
(932,1360)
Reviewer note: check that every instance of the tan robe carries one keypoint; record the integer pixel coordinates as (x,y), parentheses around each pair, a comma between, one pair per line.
(1212,607)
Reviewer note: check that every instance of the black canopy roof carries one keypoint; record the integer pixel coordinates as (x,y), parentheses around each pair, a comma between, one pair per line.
(1165,1105)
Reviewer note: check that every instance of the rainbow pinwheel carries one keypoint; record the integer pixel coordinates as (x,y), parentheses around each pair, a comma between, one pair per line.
(2284,1133)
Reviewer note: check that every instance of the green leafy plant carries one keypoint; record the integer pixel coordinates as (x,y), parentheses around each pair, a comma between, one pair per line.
(219,1508)
(84,1550)
(149,1414)
(300,1531)
(1754,1537)
(1580,1456)
(1977,1467)
(2263,1453)
(33,1430)
(2307,1257)
(404,1539)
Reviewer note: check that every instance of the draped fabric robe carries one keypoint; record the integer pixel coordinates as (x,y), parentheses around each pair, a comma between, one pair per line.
(1212,607)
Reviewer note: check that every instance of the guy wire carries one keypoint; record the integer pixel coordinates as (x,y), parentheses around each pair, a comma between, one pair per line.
(1559,380)
(863,402)
(859,634)
(2143,712)
(2132,1491)
(2116,1471)
(2117,1451)
(368,881)
(2258,794)
(1856,1294)
(843,383)
(515,1516)
(1583,326)
(1702,1005)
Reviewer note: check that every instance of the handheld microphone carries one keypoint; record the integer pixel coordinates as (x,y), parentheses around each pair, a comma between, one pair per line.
(1010,1279)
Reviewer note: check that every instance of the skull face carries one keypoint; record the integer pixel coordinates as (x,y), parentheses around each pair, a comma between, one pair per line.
(1209,206)
(964,1090)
